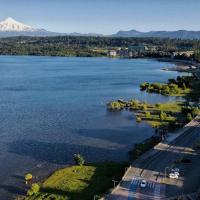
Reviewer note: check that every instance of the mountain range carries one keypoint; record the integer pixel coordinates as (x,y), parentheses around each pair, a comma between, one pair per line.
(181,34)
(10,28)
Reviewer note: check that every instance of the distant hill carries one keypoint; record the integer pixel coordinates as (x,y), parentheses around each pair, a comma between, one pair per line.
(181,34)
(10,28)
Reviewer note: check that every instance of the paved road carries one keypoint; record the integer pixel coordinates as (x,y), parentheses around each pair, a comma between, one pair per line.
(152,167)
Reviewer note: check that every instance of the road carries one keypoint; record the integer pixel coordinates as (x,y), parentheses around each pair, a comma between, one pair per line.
(154,167)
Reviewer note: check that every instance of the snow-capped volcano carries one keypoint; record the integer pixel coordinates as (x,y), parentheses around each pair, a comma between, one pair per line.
(10,27)
(10,24)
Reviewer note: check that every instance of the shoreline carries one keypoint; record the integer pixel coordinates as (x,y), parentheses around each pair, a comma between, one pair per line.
(181,65)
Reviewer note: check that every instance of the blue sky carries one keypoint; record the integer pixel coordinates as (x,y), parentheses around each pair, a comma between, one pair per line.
(104,16)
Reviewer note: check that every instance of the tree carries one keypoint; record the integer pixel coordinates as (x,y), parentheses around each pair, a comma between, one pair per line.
(79,159)
(147,114)
(28,177)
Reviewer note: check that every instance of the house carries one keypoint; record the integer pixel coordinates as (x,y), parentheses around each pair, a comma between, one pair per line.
(183,53)
(112,53)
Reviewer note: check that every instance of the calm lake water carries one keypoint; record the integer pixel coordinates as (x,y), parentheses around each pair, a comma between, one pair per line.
(51,108)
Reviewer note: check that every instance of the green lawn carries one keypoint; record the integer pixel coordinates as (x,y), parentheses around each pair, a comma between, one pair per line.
(80,182)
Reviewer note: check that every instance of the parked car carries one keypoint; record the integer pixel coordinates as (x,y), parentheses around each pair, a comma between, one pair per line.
(175,171)
(143,184)
(173,175)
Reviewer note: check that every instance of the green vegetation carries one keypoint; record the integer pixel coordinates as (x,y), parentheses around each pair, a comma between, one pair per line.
(116,105)
(79,160)
(28,177)
(93,46)
(79,182)
(143,147)
(178,87)
(171,114)
(189,117)
(35,188)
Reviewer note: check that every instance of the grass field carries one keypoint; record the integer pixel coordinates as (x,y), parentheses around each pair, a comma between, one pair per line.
(80,182)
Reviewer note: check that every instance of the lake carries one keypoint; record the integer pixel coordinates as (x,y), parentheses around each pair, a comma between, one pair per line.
(52,107)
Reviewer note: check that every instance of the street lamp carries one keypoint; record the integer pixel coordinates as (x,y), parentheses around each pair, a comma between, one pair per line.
(114,183)
(166,171)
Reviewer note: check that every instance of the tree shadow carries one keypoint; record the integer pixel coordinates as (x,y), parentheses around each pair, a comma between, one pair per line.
(59,153)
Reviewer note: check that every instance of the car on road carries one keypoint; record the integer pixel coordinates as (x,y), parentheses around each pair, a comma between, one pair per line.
(143,184)
(173,175)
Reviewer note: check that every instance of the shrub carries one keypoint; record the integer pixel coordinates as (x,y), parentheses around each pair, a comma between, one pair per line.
(30,192)
(35,188)
(134,102)
(144,107)
(189,117)
(163,116)
(79,159)
(144,86)
(138,119)
(115,105)
(147,114)
(195,112)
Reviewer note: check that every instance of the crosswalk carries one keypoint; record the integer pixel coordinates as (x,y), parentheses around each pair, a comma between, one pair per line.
(137,181)
(152,191)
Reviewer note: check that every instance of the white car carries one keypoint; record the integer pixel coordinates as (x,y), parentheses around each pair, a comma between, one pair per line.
(175,171)
(173,175)
(143,184)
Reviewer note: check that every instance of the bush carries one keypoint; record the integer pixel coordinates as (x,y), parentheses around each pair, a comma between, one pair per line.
(79,159)
(115,105)
(30,192)
(144,107)
(195,112)
(144,86)
(134,102)
(189,117)
(35,187)
(163,116)
(138,119)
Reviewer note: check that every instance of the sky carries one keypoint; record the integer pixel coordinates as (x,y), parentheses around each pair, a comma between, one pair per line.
(104,16)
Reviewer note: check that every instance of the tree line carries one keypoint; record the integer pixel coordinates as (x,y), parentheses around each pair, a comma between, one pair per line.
(90,45)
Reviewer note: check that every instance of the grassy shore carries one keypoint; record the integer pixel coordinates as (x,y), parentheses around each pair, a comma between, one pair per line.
(160,114)
(80,182)
(174,87)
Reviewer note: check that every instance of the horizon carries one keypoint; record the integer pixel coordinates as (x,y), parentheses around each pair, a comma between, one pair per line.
(104,17)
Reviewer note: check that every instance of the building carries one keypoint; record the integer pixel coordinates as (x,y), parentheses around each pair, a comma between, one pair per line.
(138,48)
(112,53)
(183,53)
